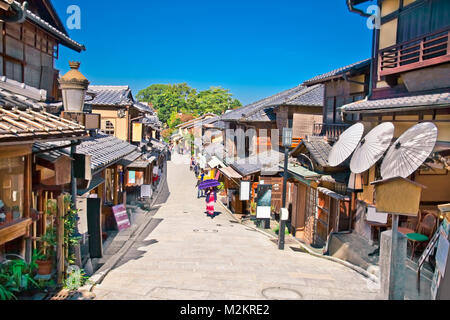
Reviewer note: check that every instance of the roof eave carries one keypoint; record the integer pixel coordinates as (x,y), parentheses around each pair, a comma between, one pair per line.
(397,109)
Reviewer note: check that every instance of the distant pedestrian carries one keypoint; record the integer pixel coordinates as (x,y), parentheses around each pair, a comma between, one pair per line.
(200,179)
(196,169)
(192,165)
(211,198)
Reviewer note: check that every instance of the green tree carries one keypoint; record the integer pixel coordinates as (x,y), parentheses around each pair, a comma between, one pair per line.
(215,100)
(172,99)
(174,120)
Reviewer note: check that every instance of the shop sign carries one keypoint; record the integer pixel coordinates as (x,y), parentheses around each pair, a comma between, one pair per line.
(121,216)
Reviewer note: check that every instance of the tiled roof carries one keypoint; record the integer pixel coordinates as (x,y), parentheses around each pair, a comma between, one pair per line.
(416,102)
(262,110)
(111,96)
(105,150)
(61,36)
(266,162)
(196,122)
(30,125)
(143,107)
(50,156)
(319,150)
(127,160)
(338,72)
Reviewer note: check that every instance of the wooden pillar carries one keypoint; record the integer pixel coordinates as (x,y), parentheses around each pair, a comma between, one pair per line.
(27,205)
(60,240)
(116,185)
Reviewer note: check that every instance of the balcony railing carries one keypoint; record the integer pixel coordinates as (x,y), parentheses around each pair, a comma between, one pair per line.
(331,131)
(421,52)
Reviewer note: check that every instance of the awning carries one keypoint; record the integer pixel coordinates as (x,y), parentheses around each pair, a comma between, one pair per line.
(129,159)
(139,164)
(333,194)
(230,173)
(215,162)
(302,174)
(94,183)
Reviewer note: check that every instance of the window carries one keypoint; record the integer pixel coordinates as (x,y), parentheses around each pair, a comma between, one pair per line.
(425,18)
(11,189)
(109,128)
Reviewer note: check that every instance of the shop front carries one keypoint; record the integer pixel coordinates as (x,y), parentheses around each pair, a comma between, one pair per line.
(21,207)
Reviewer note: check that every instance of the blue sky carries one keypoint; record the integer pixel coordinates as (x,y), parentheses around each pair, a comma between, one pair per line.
(253,48)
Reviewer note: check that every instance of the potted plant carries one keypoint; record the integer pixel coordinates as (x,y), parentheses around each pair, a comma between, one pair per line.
(44,257)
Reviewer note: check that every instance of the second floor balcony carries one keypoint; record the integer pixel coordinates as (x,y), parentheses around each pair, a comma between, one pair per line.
(330,130)
(428,50)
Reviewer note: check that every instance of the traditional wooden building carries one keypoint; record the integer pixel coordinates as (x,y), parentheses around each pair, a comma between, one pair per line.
(409,84)
(122,116)
(20,205)
(31,39)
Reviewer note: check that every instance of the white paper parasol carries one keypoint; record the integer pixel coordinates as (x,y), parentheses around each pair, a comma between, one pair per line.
(410,151)
(347,143)
(372,147)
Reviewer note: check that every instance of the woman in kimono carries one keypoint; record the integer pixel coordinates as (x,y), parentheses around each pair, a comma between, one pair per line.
(211,198)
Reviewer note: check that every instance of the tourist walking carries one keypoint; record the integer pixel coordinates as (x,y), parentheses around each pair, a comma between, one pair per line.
(200,179)
(211,198)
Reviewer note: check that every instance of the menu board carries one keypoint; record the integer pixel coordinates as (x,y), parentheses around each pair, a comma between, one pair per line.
(264,202)
(442,251)
(121,216)
(245,191)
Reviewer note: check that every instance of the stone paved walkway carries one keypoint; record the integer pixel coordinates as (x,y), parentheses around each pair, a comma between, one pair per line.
(184,254)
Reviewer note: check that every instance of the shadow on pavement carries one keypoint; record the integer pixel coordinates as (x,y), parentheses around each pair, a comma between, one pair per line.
(134,253)
(216,214)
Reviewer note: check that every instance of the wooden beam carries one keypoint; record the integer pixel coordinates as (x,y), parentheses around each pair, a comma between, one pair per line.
(14,231)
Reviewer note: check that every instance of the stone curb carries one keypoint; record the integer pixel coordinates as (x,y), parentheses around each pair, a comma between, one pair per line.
(100,275)
(309,251)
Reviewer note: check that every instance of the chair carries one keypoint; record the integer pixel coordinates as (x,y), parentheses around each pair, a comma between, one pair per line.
(424,232)
(411,225)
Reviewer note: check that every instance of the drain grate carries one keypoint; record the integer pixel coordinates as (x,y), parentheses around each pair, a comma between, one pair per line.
(205,231)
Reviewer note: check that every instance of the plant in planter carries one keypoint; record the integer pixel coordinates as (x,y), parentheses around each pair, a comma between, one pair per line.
(17,277)
(7,286)
(44,257)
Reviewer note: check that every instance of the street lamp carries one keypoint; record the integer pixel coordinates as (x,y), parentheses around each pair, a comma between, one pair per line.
(287,143)
(74,87)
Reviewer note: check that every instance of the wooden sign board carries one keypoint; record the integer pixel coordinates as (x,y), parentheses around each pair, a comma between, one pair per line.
(137,132)
(121,216)
(398,196)
(82,166)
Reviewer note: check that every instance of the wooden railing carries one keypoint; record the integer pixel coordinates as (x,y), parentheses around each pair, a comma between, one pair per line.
(331,131)
(421,52)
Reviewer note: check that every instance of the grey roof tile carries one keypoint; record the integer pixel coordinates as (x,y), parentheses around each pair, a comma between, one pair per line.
(337,72)
(111,96)
(262,110)
(415,102)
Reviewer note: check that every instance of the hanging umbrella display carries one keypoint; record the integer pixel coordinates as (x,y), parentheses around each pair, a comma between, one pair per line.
(410,151)
(372,147)
(208,184)
(347,143)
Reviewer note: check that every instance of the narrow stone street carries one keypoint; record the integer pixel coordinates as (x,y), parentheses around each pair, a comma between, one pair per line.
(183,254)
